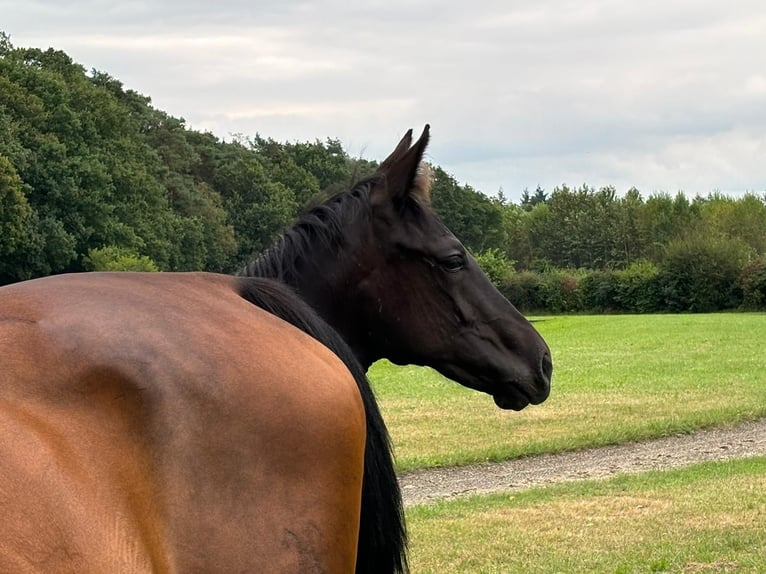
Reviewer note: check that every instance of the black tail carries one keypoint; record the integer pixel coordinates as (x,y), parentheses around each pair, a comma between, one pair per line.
(382,535)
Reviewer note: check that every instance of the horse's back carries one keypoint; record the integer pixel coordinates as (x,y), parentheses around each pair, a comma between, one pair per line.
(160,422)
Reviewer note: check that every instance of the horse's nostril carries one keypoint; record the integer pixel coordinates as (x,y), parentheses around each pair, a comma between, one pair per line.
(543,379)
(546,367)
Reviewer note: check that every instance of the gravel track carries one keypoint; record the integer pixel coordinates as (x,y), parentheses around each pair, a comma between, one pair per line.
(743,440)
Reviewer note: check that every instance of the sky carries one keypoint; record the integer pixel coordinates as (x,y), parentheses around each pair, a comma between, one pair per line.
(661,95)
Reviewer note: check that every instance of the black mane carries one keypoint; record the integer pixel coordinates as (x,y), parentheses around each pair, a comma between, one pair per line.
(321,224)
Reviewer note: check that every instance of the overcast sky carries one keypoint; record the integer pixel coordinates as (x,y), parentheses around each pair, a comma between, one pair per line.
(658,94)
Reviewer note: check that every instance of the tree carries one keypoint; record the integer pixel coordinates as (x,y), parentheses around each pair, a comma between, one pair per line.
(5,44)
(473,217)
(257,207)
(631,245)
(743,218)
(281,164)
(325,161)
(20,243)
(578,230)
(528,202)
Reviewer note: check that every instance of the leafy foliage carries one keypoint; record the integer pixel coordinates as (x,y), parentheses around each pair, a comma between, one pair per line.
(112,258)
(753,284)
(560,290)
(87,167)
(701,273)
(20,243)
(523,290)
(473,217)
(92,176)
(554,290)
(638,288)
(495,264)
(599,291)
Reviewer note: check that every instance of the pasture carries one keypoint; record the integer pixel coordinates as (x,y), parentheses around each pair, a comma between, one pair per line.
(616,378)
(703,519)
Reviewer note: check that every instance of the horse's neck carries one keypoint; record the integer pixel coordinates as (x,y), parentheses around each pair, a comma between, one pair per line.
(316,288)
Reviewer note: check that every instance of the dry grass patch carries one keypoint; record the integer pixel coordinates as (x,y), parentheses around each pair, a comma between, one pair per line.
(719,567)
(711,514)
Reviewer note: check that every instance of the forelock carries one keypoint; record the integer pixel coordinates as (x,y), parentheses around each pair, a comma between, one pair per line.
(422,184)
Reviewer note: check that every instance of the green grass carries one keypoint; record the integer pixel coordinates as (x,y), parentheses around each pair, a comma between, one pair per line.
(702,519)
(616,378)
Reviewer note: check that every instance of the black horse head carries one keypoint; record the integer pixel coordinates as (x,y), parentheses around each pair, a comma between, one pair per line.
(382,269)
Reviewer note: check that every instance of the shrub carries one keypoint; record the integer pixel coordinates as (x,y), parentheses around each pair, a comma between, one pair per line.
(523,290)
(753,285)
(495,264)
(598,290)
(560,292)
(112,258)
(702,274)
(638,288)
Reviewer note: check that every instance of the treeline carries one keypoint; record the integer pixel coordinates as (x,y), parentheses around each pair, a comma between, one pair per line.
(584,249)
(93,177)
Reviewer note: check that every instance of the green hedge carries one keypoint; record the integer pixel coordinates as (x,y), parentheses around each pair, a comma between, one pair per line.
(600,292)
(753,285)
(700,273)
(555,290)
(523,290)
(638,288)
(708,283)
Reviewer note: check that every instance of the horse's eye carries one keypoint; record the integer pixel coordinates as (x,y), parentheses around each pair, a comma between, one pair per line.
(453,263)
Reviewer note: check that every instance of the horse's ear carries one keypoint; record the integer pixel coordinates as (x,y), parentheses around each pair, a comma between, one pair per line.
(401,167)
(401,148)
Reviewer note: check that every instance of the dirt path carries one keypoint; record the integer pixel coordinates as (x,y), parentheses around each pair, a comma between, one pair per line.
(747,439)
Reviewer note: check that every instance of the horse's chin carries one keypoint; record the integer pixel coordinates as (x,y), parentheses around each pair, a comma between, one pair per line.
(508,397)
(511,401)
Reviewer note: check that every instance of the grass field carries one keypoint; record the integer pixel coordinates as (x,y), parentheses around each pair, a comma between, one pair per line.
(701,520)
(616,378)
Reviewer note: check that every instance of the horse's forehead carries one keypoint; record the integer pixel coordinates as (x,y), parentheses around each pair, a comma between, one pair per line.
(425,233)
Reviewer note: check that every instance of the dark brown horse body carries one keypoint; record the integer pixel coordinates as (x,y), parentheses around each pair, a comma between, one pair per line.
(167,423)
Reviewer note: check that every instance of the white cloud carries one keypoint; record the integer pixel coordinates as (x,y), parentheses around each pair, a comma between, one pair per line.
(661,95)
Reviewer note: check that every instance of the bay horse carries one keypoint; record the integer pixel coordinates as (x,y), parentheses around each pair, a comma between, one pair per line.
(198,422)
(166,422)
